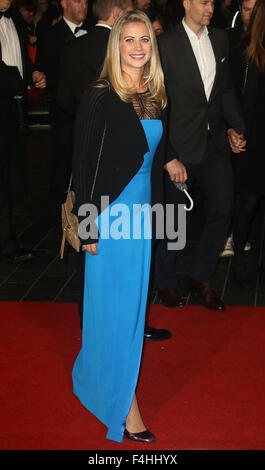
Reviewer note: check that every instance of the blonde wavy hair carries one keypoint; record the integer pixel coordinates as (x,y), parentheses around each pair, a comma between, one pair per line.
(153,76)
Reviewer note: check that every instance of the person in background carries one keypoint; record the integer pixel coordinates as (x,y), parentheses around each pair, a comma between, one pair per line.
(42,7)
(227,12)
(157,19)
(163,11)
(240,13)
(158,25)
(48,14)
(16,71)
(49,50)
(203,119)
(82,60)
(246,8)
(247,65)
(143,5)
(234,35)
(28,10)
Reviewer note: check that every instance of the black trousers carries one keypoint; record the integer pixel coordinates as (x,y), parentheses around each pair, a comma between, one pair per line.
(12,181)
(7,239)
(243,218)
(214,177)
(62,141)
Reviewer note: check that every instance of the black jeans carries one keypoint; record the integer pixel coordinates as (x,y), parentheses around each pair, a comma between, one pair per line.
(244,214)
(214,177)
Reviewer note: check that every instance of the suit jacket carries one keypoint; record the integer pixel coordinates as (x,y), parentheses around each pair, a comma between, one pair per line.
(49,51)
(123,150)
(190,112)
(81,63)
(12,84)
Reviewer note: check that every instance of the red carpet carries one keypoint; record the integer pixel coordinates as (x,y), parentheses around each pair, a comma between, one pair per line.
(202,389)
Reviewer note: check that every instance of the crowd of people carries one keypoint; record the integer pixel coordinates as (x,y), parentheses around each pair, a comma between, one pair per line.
(40,15)
(144,94)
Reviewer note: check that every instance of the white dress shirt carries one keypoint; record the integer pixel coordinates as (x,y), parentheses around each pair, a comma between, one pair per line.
(203,51)
(72,26)
(104,25)
(11,52)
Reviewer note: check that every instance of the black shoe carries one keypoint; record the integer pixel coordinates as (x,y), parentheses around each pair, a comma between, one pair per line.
(153,334)
(145,437)
(170,298)
(208,295)
(19,255)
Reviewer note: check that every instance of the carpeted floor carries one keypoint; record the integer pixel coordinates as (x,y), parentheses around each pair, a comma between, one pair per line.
(202,389)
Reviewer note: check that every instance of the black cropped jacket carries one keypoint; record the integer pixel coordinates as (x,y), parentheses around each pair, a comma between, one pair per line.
(123,150)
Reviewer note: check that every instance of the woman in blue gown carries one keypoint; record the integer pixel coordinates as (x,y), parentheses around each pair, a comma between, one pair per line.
(119,154)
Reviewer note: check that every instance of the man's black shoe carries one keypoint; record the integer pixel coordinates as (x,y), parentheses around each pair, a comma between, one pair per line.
(170,298)
(153,334)
(20,255)
(208,295)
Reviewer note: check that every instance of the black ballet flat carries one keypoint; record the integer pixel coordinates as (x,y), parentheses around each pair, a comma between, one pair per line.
(145,437)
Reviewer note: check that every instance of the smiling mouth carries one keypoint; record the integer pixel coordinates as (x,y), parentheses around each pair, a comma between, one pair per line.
(137,56)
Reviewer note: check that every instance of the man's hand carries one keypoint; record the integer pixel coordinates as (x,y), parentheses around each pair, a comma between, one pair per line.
(39,79)
(176,170)
(237,141)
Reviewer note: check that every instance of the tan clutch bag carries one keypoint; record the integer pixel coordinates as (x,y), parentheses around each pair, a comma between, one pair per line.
(69,220)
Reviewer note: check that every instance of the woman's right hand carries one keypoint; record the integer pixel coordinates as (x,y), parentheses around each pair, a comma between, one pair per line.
(92,248)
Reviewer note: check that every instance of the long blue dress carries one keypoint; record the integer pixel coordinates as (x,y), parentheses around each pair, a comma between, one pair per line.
(116,282)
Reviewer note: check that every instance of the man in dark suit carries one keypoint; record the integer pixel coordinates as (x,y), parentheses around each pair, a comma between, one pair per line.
(16,71)
(82,60)
(48,56)
(203,113)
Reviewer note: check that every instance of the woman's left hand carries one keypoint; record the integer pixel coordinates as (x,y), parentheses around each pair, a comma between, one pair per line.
(237,141)
(92,248)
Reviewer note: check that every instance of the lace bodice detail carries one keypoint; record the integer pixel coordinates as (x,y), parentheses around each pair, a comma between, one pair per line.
(144,107)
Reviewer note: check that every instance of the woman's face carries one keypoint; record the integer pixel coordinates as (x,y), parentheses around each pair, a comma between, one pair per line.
(135,47)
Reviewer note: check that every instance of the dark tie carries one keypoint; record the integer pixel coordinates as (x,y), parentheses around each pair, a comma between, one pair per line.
(6,13)
(80,28)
